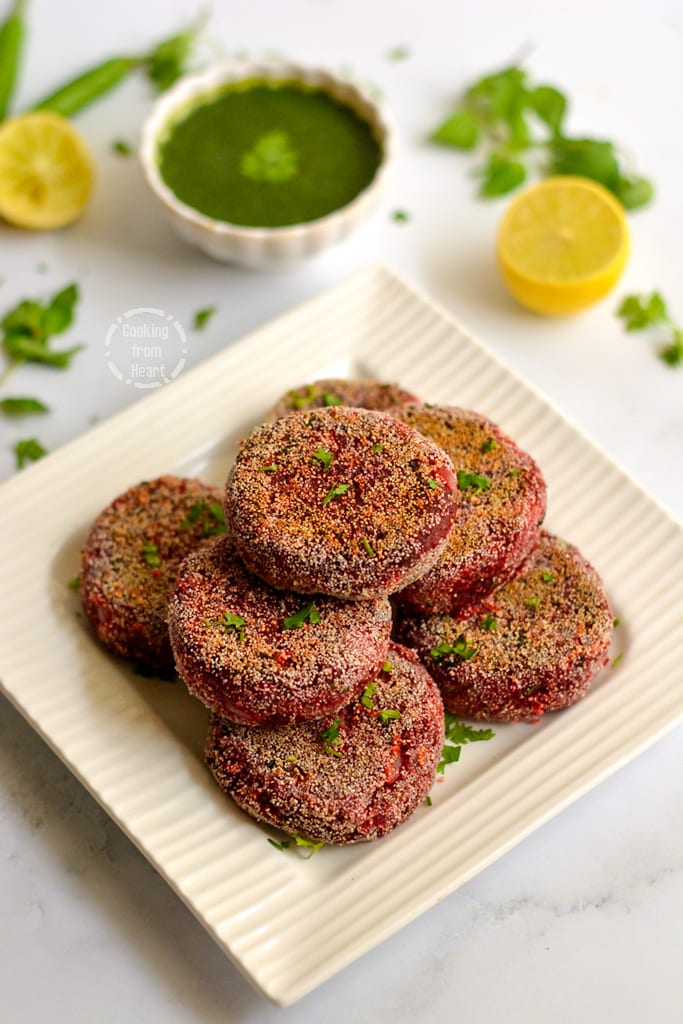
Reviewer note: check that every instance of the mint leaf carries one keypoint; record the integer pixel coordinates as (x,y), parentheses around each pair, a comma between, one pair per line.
(641,311)
(272,159)
(29,450)
(587,158)
(22,406)
(29,326)
(634,192)
(202,317)
(60,312)
(460,130)
(550,105)
(501,176)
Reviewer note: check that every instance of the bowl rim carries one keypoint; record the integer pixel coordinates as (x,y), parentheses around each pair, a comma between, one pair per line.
(210,79)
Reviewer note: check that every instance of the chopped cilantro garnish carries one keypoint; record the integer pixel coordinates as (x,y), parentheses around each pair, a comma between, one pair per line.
(489,623)
(324,458)
(29,450)
(616,622)
(617,659)
(377,447)
(547,577)
(531,602)
(367,695)
(310,843)
(150,553)
(202,317)
(331,739)
(460,648)
(514,472)
(387,667)
(400,216)
(284,845)
(388,714)
(296,621)
(434,484)
(428,800)
(472,481)
(331,399)
(458,733)
(122,148)
(368,547)
(335,492)
(236,622)
(489,445)
(209,515)
(298,401)
(74,583)
(272,468)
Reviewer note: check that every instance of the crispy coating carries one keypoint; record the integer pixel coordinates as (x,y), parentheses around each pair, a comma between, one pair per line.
(342,780)
(538,641)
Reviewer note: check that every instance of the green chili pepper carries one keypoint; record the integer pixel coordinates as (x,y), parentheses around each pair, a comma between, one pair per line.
(89,86)
(11,43)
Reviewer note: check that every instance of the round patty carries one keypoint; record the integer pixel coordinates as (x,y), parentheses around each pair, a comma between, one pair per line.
(344,779)
(534,646)
(263,656)
(361,394)
(503,501)
(340,501)
(131,558)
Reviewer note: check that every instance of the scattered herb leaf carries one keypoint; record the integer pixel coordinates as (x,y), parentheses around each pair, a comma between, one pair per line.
(268,469)
(202,317)
(330,399)
(428,800)
(514,472)
(207,514)
(377,448)
(335,492)
(28,327)
(368,547)
(308,612)
(640,312)
(387,667)
(389,714)
(433,483)
(472,481)
(457,734)
(284,845)
(74,583)
(367,695)
(400,217)
(489,445)
(616,622)
(298,401)
(150,553)
(331,739)
(532,602)
(324,457)
(29,450)
(617,659)
(310,843)
(22,406)
(398,53)
(547,577)
(460,649)
(489,623)
(232,621)
(122,148)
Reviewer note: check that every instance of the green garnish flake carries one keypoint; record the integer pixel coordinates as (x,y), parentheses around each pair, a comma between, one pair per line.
(532,602)
(330,399)
(231,621)
(335,492)
(428,800)
(387,667)
(324,457)
(121,147)
(150,553)
(284,845)
(433,484)
(308,613)
(209,515)
(489,623)
(460,649)
(377,448)
(472,481)
(617,659)
(398,53)
(331,739)
(547,577)
(400,217)
(457,734)
(389,714)
(514,472)
(74,583)
(512,119)
(367,695)
(202,317)
(271,159)
(616,622)
(28,327)
(29,450)
(268,469)
(640,312)
(368,547)
(489,445)
(310,844)
(298,401)
(22,406)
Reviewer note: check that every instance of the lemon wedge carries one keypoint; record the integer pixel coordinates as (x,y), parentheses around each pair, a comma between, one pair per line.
(562,245)
(46,172)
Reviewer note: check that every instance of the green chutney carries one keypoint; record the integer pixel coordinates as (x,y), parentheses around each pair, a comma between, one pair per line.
(268,154)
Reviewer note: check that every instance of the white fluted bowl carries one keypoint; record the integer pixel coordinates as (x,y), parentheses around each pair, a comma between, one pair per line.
(263,248)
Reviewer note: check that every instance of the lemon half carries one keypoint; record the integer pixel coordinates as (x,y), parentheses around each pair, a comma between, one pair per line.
(46,172)
(562,245)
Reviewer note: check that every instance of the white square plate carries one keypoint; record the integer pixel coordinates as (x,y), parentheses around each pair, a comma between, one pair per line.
(290,923)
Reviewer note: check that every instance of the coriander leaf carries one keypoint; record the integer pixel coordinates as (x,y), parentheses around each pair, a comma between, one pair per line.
(150,553)
(387,667)
(501,176)
(388,714)
(209,515)
(634,192)
(489,623)
(314,847)
(296,621)
(458,732)
(641,311)
(449,755)
(550,105)
(29,450)
(366,698)
(460,648)
(335,492)
(236,622)
(22,406)
(271,159)
(368,547)
(460,130)
(273,468)
(122,148)
(202,317)
(472,481)
(587,158)
(298,401)
(532,602)
(60,312)
(489,445)
(284,845)
(324,457)
(331,739)
(330,399)
(672,354)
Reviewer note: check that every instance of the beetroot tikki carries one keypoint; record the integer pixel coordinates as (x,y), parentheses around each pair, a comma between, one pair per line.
(503,504)
(131,558)
(347,778)
(263,656)
(360,394)
(534,646)
(340,501)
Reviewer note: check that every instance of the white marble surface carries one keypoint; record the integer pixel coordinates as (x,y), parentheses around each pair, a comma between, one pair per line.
(582,922)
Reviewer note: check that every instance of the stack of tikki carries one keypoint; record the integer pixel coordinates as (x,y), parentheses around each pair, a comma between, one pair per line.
(278,611)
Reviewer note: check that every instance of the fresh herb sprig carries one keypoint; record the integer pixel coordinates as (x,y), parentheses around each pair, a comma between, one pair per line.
(518,125)
(641,312)
(457,734)
(28,328)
